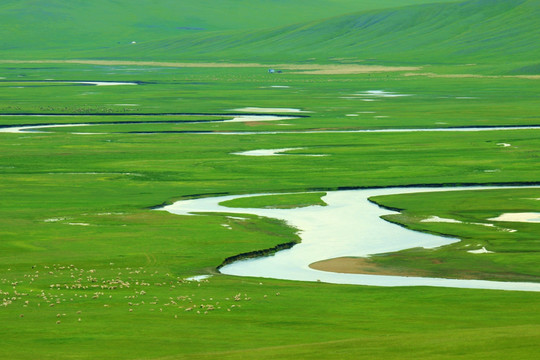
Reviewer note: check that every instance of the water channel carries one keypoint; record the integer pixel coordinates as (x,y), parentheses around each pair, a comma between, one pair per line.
(349,226)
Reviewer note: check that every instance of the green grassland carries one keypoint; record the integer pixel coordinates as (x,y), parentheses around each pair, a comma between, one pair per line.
(57,28)
(514,245)
(84,200)
(90,269)
(484,31)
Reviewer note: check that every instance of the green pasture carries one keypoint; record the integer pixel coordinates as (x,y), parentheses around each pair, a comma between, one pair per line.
(90,268)
(513,245)
(79,231)
(494,32)
(81,26)
(330,101)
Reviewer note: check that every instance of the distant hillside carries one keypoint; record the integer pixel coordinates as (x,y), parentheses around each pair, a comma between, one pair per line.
(269,31)
(65,26)
(477,30)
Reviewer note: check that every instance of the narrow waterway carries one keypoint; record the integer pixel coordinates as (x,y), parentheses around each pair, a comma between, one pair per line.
(229,118)
(349,226)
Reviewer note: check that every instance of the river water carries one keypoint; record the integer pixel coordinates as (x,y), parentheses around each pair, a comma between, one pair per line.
(349,226)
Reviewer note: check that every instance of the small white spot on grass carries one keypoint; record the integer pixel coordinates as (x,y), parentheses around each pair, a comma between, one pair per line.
(483,224)
(528,217)
(55,219)
(198,278)
(504,144)
(273,152)
(381,94)
(483,250)
(271,110)
(237,218)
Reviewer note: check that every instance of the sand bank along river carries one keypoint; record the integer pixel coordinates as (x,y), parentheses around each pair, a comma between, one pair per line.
(349,226)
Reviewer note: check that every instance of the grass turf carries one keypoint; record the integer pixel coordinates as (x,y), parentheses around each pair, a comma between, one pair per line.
(78,233)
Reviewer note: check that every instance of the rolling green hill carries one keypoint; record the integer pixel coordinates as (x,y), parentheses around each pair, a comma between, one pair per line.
(34,26)
(390,31)
(488,31)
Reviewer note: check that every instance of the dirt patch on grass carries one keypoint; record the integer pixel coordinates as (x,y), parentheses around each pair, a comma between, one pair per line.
(345,69)
(457,76)
(464,76)
(316,69)
(353,265)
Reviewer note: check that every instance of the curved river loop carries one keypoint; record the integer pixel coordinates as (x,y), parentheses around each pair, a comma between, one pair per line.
(349,225)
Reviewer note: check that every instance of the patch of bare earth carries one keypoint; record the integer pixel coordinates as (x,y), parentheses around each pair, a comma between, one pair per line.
(354,265)
(312,69)
(345,69)
(464,76)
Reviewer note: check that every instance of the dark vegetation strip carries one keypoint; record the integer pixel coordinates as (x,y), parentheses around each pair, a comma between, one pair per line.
(257,253)
(187,197)
(133,122)
(151,114)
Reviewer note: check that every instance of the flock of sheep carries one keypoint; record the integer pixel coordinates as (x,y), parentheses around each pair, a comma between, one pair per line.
(65,292)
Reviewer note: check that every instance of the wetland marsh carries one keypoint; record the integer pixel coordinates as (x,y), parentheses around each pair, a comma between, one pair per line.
(367,125)
(100,190)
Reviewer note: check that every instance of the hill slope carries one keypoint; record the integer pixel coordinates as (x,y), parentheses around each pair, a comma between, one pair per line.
(59,25)
(477,30)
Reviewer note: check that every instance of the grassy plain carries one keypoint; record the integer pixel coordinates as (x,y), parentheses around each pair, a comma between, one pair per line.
(76,215)
(88,268)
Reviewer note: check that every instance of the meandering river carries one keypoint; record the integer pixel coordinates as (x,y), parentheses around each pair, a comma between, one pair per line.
(349,226)
(228,118)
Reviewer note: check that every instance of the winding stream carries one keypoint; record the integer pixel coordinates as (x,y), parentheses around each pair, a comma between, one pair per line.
(349,226)
(233,118)
(15,129)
